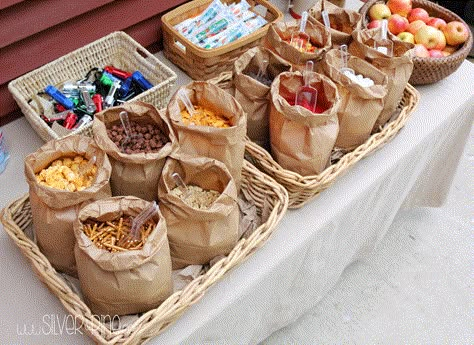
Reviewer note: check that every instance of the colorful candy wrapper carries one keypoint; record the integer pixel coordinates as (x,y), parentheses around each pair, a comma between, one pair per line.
(233,33)
(219,24)
(255,23)
(209,14)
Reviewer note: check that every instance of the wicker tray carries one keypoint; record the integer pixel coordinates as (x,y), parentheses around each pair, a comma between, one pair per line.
(302,189)
(16,217)
(200,63)
(117,49)
(431,70)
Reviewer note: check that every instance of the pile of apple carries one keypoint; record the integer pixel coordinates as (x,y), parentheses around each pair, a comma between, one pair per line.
(432,36)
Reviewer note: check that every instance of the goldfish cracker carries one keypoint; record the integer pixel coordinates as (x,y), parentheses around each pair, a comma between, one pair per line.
(205,117)
(65,174)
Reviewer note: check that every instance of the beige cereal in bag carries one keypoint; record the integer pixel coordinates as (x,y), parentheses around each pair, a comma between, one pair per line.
(199,227)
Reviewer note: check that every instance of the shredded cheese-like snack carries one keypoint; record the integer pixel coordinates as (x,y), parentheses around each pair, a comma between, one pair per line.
(205,117)
(115,235)
(66,174)
(196,197)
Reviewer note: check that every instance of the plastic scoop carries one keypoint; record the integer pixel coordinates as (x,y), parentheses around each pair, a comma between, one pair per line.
(307,96)
(183,96)
(137,223)
(384,45)
(88,166)
(180,184)
(299,39)
(125,120)
(262,74)
(344,59)
(326,21)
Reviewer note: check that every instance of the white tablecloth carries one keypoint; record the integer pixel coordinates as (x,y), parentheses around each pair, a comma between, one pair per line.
(305,256)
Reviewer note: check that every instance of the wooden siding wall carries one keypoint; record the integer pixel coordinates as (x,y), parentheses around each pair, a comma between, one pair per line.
(33,33)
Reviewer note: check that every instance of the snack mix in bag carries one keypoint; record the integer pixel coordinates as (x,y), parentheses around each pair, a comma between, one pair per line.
(205,117)
(67,174)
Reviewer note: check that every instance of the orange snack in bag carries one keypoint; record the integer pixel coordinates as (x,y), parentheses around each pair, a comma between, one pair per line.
(205,117)
(65,173)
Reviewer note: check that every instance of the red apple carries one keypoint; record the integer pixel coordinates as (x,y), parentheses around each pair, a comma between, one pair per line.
(441,41)
(421,51)
(413,27)
(376,23)
(435,53)
(401,7)
(418,14)
(456,33)
(437,23)
(428,36)
(406,37)
(397,24)
(379,11)
(450,49)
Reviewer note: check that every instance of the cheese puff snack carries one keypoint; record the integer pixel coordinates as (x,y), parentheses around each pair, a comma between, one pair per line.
(65,174)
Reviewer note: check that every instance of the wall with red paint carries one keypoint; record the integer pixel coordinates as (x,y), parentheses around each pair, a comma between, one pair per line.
(33,33)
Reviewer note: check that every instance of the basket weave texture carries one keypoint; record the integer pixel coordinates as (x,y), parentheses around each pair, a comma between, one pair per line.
(431,70)
(302,189)
(116,49)
(200,63)
(263,190)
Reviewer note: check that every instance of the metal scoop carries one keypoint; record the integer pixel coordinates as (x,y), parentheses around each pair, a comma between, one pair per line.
(307,96)
(384,45)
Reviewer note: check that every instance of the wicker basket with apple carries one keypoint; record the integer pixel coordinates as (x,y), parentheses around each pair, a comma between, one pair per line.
(442,39)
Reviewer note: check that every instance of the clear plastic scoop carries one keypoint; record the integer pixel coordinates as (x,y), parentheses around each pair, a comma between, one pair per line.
(137,223)
(326,21)
(125,120)
(180,184)
(299,38)
(344,59)
(262,67)
(183,96)
(384,45)
(307,96)
(88,166)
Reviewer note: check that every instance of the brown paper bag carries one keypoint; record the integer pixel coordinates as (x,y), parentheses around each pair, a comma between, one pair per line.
(342,20)
(280,32)
(253,96)
(134,174)
(197,236)
(398,68)
(127,282)
(360,106)
(301,140)
(224,144)
(54,210)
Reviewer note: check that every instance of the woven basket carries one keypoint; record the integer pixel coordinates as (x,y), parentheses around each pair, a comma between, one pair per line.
(302,189)
(431,70)
(116,49)
(263,190)
(200,63)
